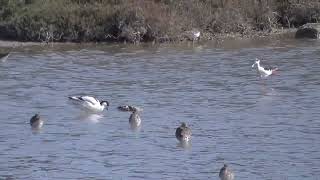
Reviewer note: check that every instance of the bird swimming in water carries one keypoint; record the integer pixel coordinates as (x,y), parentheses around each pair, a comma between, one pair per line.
(90,103)
(134,118)
(36,121)
(183,133)
(264,72)
(226,173)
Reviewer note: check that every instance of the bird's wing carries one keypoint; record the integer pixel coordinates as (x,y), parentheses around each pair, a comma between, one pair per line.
(186,132)
(268,68)
(89,99)
(222,171)
(179,132)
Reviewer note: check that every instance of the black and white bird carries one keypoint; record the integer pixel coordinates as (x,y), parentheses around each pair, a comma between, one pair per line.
(90,103)
(134,119)
(36,122)
(264,71)
(4,56)
(183,133)
(226,173)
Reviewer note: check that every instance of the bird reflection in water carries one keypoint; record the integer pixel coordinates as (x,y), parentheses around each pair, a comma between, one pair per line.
(89,117)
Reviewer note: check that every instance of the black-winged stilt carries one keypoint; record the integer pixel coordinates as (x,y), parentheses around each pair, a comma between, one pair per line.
(263,71)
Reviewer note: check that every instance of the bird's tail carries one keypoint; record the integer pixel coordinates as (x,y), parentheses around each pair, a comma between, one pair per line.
(74,98)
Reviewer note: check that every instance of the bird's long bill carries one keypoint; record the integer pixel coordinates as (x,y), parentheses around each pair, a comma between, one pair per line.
(253,64)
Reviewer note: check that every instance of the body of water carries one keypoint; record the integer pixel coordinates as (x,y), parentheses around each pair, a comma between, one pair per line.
(263,129)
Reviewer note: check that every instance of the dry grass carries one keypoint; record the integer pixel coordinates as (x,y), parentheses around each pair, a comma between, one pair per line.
(147,20)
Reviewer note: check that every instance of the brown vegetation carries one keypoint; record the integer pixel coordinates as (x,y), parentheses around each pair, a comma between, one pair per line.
(147,20)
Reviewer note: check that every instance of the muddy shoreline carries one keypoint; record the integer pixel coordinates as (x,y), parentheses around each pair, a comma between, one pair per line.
(276,34)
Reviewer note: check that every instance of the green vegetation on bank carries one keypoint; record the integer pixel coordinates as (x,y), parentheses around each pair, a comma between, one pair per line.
(147,20)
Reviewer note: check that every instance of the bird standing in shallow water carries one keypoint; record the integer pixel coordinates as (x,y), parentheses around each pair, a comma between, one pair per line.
(90,103)
(226,173)
(134,119)
(36,122)
(183,133)
(264,72)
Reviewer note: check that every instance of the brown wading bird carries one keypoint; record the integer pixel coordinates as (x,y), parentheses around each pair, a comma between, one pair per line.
(36,122)
(226,173)
(183,133)
(134,118)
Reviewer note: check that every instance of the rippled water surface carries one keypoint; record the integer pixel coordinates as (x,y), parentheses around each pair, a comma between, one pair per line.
(266,129)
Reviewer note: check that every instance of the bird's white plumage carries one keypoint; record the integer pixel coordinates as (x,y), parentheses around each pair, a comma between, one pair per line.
(90,103)
(196,34)
(263,71)
(90,99)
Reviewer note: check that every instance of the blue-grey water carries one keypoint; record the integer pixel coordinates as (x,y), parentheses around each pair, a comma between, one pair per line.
(263,129)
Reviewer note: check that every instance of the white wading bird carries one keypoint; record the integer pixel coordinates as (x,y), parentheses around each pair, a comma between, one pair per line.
(90,103)
(264,72)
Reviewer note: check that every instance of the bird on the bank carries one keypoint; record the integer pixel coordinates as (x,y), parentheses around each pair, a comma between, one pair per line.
(196,34)
(183,133)
(192,35)
(226,173)
(134,118)
(36,122)
(263,71)
(90,103)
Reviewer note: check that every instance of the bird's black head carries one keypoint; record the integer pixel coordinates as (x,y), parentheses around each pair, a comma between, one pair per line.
(132,109)
(183,124)
(36,116)
(104,103)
